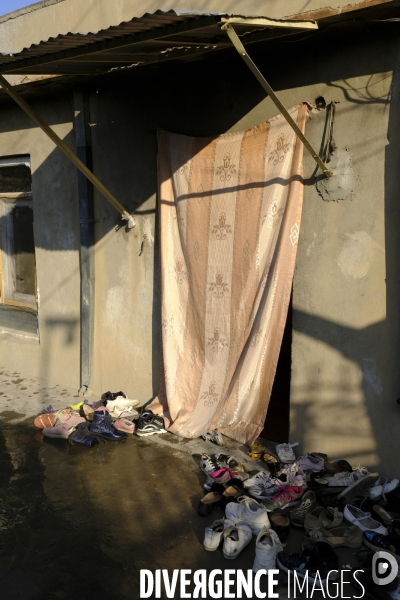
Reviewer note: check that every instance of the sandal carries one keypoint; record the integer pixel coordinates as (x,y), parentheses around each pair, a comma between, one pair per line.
(351,537)
(323,518)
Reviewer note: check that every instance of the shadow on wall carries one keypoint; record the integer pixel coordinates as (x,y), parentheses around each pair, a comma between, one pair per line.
(340,406)
(363,395)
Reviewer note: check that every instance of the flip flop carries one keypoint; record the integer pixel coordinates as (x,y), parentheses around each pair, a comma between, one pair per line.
(46,420)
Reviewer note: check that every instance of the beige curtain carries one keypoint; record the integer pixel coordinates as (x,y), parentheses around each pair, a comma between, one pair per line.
(230,210)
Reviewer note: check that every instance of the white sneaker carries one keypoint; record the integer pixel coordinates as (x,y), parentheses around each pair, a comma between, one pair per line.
(381,487)
(250,512)
(121,403)
(260,477)
(285,452)
(268,545)
(265,489)
(213,535)
(236,537)
(343,479)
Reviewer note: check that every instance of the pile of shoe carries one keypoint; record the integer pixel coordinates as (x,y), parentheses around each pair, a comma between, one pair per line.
(230,488)
(113,418)
(336,504)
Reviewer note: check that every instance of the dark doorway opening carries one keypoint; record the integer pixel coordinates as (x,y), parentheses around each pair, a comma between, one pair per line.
(277,421)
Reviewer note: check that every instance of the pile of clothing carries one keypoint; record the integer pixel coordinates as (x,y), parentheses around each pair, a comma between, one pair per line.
(336,504)
(112,418)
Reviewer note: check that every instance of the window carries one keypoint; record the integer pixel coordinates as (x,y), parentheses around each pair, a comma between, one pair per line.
(18,268)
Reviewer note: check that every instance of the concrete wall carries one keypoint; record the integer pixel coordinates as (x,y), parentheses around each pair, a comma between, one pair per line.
(56,358)
(345,341)
(345,377)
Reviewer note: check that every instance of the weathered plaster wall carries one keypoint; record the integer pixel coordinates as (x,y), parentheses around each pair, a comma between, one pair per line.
(56,358)
(344,380)
(50,18)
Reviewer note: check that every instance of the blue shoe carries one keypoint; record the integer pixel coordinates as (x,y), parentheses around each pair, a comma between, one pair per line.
(82,435)
(102,426)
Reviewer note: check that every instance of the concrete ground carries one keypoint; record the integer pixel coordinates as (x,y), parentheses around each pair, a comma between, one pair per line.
(80,523)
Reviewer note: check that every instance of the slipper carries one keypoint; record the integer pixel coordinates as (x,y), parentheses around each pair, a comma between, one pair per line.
(234,487)
(71,419)
(86,411)
(385,516)
(58,432)
(76,406)
(273,463)
(206,504)
(46,420)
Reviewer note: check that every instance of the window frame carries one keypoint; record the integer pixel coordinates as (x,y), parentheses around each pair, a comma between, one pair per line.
(9,201)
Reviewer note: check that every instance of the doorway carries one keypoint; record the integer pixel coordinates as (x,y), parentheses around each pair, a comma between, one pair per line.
(277,421)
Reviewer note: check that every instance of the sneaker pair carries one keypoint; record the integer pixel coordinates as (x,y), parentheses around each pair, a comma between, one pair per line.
(213,436)
(285,496)
(149,424)
(262,485)
(235,537)
(285,452)
(213,462)
(249,511)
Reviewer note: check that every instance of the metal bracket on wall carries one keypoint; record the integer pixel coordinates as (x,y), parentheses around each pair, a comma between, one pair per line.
(68,152)
(261,79)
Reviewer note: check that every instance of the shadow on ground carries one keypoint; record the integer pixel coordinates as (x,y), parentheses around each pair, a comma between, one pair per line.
(81,523)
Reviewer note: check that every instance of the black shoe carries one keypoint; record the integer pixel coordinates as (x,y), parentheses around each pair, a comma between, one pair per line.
(82,435)
(280,523)
(102,426)
(377,541)
(224,460)
(112,395)
(149,424)
(314,558)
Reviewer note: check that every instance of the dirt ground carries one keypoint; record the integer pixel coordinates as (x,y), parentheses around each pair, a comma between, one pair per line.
(80,523)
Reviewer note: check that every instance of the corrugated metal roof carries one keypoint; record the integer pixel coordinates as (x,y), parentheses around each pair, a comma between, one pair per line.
(151,38)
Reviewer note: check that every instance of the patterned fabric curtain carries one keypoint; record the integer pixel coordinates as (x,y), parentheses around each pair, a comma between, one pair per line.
(230,210)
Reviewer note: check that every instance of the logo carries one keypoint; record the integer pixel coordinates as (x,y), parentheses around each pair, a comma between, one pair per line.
(384,568)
